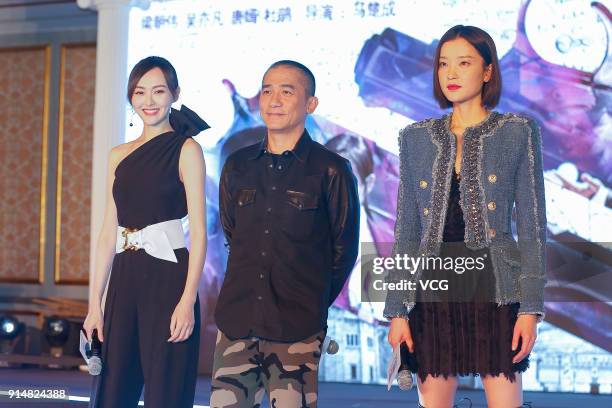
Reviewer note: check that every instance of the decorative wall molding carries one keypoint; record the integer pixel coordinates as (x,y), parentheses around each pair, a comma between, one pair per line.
(24,95)
(74,156)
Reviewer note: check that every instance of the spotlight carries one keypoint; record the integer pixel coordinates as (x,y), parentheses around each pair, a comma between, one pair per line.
(10,331)
(56,331)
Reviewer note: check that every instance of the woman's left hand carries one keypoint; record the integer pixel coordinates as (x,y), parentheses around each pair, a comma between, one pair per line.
(182,321)
(525,328)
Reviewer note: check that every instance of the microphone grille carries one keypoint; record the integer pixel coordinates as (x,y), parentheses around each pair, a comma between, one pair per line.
(332,347)
(95,365)
(404,380)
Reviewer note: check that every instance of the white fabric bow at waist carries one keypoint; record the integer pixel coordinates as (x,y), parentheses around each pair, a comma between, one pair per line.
(158,240)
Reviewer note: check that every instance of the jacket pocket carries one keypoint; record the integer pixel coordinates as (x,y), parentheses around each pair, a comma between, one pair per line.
(244,214)
(508,259)
(302,201)
(299,214)
(508,249)
(245,197)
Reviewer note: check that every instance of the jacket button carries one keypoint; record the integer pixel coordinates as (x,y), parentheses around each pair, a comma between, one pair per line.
(423,184)
(261,276)
(492,178)
(425,211)
(492,232)
(491,205)
(259,298)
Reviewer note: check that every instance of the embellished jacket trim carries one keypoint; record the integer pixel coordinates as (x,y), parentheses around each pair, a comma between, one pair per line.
(473,200)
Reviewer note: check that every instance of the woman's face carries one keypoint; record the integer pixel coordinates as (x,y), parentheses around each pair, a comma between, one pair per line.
(462,71)
(152,98)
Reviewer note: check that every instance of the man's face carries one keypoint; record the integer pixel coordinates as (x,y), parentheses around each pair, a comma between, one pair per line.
(284,101)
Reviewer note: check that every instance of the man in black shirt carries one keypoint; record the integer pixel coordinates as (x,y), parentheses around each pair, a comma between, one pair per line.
(290,212)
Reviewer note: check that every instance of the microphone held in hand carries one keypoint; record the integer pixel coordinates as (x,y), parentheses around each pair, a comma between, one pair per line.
(404,376)
(94,355)
(332,347)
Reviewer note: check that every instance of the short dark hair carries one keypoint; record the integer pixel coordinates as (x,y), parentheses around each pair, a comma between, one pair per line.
(145,65)
(484,44)
(311,84)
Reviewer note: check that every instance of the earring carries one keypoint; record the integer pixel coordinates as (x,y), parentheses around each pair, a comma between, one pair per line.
(132,118)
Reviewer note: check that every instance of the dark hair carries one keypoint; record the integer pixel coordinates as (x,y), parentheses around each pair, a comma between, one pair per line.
(354,149)
(145,65)
(311,84)
(479,39)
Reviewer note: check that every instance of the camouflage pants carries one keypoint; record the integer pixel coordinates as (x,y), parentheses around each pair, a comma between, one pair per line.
(245,369)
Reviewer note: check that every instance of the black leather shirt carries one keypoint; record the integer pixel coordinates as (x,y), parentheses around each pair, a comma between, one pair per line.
(292,225)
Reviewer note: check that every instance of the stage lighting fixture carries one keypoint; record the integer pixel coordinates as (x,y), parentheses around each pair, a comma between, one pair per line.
(56,331)
(10,331)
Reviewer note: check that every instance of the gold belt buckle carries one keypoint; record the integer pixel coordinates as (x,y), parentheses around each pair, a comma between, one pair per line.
(126,244)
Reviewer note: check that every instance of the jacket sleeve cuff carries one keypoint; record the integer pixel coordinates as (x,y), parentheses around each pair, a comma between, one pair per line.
(533,308)
(395,306)
(531,294)
(539,315)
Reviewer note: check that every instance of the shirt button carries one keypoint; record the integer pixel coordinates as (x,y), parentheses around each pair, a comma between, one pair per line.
(261,276)
(273,188)
(263,253)
(491,206)
(259,298)
(280,167)
(270,165)
(266,232)
(425,211)
(423,184)
(269,210)
(492,178)
(286,153)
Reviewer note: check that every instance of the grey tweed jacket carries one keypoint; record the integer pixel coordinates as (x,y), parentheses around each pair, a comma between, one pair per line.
(501,168)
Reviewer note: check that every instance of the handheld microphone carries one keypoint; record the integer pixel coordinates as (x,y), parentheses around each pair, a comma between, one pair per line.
(94,355)
(404,376)
(332,347)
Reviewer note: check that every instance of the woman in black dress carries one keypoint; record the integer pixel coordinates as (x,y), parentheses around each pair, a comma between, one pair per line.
(150,324)
(461,176)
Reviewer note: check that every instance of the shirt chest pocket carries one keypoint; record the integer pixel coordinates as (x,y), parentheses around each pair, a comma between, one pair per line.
(299,215)
(244,201)
(245,197)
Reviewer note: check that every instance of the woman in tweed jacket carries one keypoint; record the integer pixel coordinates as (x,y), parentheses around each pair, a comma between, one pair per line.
(460,178)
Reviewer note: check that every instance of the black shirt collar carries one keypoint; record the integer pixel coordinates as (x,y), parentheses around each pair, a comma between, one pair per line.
(300,151)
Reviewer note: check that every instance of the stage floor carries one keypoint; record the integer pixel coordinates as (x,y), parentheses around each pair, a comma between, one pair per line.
(331,395)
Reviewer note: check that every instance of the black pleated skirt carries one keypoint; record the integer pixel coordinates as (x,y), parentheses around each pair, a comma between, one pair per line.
(458,338)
